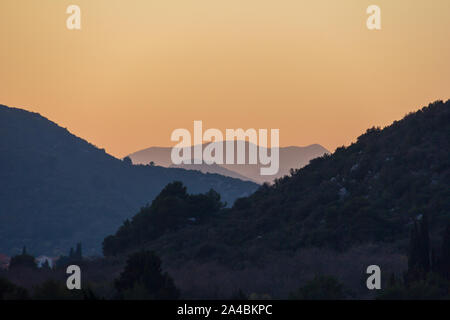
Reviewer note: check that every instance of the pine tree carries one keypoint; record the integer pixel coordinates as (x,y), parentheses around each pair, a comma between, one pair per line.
(78,254)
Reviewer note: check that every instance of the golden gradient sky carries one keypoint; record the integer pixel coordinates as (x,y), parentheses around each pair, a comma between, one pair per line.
(139,69)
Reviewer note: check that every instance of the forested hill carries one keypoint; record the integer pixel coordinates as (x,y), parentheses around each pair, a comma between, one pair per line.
(370,191)
(57,189)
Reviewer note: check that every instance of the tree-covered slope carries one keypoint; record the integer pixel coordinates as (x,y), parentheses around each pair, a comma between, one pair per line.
(170,211)
(57,189)
(370,191)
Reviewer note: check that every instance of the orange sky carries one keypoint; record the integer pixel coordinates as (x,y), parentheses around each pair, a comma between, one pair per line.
(139,69)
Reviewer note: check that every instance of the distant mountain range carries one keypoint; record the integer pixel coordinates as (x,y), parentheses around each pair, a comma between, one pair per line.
(290,158)
(57,189)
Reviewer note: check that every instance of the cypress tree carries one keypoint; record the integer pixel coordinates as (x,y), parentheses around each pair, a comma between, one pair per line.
(419,253)
(444,264)
(78,253)
(414,248)
(425,244)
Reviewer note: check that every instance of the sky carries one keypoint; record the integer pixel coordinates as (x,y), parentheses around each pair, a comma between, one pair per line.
(139,69)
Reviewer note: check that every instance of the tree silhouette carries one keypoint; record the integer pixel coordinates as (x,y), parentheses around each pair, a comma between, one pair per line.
(142,278)
(23,260)
(171,210)
(127,160)
(419,256)
(444,260)
(78,253)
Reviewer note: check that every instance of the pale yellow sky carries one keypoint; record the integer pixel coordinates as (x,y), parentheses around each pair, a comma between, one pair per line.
(139,69)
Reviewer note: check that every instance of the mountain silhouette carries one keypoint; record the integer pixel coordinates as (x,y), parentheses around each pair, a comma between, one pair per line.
(57,189)
(290,158)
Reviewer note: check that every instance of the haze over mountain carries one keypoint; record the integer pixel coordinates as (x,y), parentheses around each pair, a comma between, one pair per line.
(290,157)
(57,189)
(212,168)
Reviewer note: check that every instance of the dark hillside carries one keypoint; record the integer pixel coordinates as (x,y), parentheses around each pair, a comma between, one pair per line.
(57,189)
